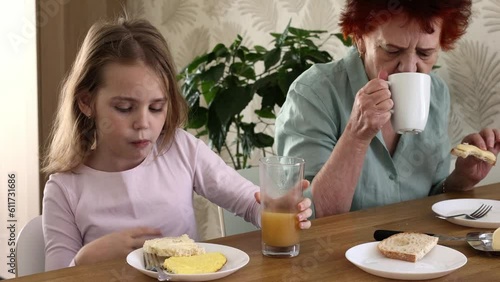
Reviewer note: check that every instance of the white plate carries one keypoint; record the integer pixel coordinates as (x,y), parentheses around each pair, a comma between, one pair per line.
(236,259)
(457,206)
(438,262)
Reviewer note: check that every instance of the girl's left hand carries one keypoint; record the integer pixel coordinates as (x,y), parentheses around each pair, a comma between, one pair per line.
(303,206)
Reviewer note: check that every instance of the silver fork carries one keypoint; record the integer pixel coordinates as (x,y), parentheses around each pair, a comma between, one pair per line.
(477,214)
(152,262)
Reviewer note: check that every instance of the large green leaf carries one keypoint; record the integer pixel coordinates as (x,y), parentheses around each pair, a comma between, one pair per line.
(231,101)
(272,58)
(217,131)
(254,57)
(271,96)
(265,113)
(198,117)
(220,51)
(286,78)
(260,49)
(243,70)
(204,59)
(317,56)
(263,140)
(247,138)
(304,33)
(192,97)
(299,32)
(214,73)
(209,91)
(265,82)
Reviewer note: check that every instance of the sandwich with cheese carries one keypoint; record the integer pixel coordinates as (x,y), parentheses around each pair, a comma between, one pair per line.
(181,246)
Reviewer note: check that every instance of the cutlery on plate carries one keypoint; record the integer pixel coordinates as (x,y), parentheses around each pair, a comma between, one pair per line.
(477,214)
(153,262)
(380,235)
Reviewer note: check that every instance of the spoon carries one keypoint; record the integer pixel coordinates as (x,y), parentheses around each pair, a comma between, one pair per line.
(482,241)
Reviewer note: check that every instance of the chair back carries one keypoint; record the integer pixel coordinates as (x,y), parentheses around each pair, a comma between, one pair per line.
(208,218)
(30,248)
(234,224)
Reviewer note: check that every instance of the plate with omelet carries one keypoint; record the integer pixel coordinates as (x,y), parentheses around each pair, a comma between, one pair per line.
(235,259)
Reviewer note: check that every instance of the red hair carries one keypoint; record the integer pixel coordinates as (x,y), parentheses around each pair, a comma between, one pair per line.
(361,17)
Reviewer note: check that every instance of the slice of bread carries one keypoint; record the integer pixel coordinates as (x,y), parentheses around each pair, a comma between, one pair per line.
(205,263)
(464,150)
(407,246)
(172,246)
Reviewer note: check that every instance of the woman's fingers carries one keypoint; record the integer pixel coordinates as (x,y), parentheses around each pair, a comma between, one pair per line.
(385,105)
(371,110)
(375,85)
(304,215)
(490,137)
(305,184)
(304,204)
(305,224)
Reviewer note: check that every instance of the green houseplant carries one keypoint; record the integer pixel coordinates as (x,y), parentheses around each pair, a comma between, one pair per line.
(220,84)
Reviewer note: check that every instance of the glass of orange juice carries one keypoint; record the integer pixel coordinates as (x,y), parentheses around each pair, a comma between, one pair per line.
(280,192)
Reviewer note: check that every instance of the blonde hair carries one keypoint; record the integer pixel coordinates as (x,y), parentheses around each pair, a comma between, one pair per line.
(122,41)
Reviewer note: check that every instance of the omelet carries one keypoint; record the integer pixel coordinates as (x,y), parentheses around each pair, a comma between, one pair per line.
(204,263)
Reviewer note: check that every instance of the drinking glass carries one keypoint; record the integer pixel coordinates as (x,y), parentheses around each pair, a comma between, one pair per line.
(280,191)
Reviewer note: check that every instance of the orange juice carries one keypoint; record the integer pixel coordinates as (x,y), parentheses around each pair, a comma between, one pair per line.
(280,229)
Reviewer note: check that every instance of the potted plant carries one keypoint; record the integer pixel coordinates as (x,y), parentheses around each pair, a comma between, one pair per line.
(220,84)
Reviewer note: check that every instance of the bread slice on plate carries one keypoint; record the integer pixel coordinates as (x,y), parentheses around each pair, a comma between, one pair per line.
(173,247)
(407,246)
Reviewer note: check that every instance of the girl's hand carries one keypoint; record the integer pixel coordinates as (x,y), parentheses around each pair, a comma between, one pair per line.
(115,245)
(304,207)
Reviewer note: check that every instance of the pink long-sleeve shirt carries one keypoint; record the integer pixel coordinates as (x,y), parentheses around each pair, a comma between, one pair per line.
(82,206)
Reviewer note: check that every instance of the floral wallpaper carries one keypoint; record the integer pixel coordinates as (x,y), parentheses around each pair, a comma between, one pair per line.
(471,70)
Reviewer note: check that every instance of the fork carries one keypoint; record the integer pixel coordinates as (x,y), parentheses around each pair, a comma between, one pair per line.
(152,262)
(477,214)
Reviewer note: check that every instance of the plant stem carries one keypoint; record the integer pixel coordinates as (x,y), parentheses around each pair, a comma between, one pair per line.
(230,155)
(237,123)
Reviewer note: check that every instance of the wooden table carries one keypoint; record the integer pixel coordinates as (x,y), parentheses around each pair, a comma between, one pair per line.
(323,247)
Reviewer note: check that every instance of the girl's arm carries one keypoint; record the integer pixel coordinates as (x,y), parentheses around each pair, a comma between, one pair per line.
(64,243)
(224,186)
(62,237)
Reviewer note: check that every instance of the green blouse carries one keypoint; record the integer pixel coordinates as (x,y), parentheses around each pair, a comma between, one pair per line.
(315,114)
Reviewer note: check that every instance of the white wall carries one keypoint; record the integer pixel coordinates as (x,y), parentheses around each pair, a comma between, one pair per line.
(18,124)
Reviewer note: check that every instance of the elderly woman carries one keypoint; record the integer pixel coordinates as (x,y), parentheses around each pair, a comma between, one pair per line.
(337,115)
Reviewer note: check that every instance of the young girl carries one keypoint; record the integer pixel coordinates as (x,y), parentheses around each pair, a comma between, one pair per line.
(122,170)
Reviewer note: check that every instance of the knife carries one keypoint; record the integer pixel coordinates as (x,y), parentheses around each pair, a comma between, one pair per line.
(380,235)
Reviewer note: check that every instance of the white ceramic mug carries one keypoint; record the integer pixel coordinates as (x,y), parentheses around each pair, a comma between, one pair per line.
(411,93)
